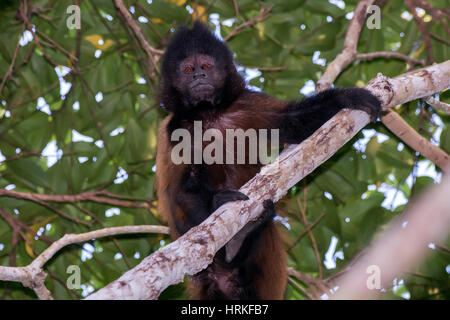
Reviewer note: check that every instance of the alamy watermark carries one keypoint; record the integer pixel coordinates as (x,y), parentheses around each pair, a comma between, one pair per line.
(237,147)
(74,20)
(74,280)
(374,280)
(374,18)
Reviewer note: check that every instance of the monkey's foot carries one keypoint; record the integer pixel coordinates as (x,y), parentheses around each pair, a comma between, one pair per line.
(226,195)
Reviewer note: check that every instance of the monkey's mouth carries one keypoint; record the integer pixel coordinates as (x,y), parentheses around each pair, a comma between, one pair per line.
(202,91)
(201,86)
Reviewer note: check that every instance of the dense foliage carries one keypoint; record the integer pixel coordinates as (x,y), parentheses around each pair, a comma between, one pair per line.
(95,128)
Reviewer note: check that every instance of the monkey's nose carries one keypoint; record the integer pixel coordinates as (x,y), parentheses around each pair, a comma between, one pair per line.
(199,75)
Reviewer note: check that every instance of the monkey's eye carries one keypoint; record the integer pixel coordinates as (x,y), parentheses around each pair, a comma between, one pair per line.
(189,69)
(206,66)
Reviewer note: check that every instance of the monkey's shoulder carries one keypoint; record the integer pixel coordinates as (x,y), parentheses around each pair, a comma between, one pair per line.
(257,100)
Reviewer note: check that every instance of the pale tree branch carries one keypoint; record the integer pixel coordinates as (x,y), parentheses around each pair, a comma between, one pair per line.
(33,276)
(195,250)
(400,247)
(394,122)
(445,107)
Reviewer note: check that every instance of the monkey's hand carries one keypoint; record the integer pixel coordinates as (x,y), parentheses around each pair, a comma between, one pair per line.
(361,99)
(223,196)
(236,244)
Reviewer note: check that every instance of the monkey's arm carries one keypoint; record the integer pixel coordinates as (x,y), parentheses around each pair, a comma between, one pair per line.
(301,119)
(197,199)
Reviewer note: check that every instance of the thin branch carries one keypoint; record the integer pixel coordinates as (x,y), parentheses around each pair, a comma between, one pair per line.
(101,233)
(266,68)
(445,107)
(54,44)
(436,13)
(33,276)
(349,51)
(95,196)
(263,14)
(152,53)
(305,292)
(423,29)
(318,286)
(394,122)
(443,248)
(22,155)
(11,66)
(433,35)
(23,15)
(308,230)
(17,225)
(389,55)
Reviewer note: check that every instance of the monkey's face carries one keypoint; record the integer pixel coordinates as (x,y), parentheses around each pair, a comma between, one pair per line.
(200,79)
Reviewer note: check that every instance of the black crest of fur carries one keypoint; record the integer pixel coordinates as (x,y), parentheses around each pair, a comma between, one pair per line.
(198,40)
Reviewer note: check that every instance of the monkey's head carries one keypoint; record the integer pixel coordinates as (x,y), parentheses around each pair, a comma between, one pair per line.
(198,71)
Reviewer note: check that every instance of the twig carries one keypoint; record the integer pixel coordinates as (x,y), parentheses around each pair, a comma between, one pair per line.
(152,53)
(23,14)
(389,55)
(54,44)
(305,292)
(308,230)
(263,14)
(443,248)
(433,35)
(310,281)
(11,66)
(438,104)
(436,13)
(394,122)
(41,94)
(94,196)
(18,226)
(101,233)
(349,51)
(236,8)
(22,155)
(423,29)
(266,68)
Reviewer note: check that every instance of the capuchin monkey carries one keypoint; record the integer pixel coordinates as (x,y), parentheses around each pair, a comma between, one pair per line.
(200,83)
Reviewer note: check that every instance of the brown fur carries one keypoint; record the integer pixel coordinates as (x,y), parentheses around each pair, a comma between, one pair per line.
(268,258)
